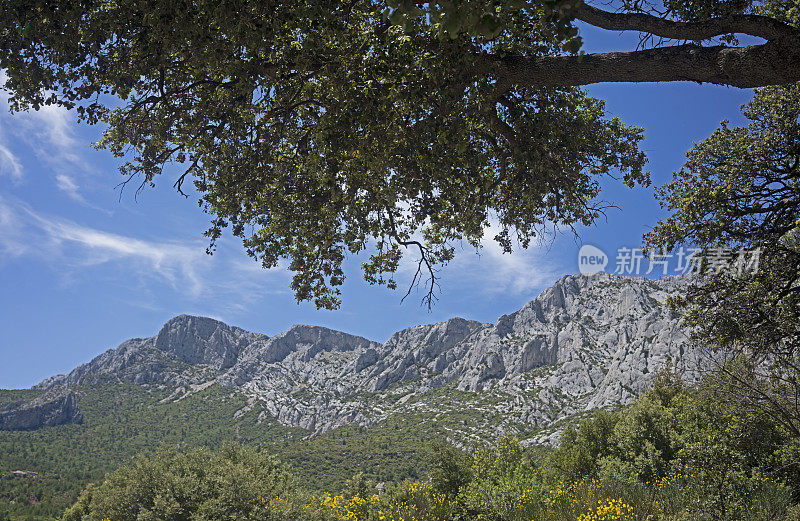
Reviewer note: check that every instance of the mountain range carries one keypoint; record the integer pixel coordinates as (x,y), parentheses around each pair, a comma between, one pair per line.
(589,341)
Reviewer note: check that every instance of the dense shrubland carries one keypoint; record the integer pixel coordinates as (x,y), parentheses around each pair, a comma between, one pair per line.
(677,453)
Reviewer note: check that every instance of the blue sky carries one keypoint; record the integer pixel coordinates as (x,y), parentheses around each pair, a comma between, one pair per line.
(84,267)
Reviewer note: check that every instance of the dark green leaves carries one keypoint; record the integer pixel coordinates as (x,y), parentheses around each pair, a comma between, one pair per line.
(740,188)
(318,129)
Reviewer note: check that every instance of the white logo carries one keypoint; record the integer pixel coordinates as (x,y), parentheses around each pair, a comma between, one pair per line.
(591,259)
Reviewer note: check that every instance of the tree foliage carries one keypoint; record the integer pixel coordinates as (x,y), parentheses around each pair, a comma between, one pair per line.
(233,483)
(322,128)
(740,190)
(450,468)
(319,129)
(501,475)
(692,442)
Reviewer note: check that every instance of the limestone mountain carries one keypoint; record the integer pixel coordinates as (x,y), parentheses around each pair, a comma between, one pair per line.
(586,342)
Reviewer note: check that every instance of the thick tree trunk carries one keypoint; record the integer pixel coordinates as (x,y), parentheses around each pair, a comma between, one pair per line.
(772,63)
(745,67)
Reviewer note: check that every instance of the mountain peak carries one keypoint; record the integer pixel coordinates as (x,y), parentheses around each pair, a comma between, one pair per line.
(203,340)
(202,326)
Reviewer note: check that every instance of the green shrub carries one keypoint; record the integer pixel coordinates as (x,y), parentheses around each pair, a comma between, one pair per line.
(235,483)
(680,453)
(450,468)
(582,448)
(505,484)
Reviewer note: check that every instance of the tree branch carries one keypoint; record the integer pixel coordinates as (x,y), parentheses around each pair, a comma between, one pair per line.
(773,63)
(430,296)
(754,25)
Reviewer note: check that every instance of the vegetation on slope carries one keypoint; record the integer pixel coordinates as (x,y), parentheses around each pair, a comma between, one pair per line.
(676,453)
(122,420)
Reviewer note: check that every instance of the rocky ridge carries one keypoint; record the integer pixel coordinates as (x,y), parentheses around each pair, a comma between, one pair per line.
(57,406)
(586,342)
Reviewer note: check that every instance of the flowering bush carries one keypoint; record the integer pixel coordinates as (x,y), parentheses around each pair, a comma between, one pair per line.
(608,510)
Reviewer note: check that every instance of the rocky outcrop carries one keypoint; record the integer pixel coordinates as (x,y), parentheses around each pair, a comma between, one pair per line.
(201,340)
(420,352)
(588,341)
(57,406)
(187,350)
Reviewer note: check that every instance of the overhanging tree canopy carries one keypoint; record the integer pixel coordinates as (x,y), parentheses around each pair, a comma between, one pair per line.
(318,128)
(740,190)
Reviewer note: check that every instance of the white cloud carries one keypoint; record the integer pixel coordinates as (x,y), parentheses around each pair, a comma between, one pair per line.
(52,122)
(67,184)
(12,243)
(72,249)
(66,244)
(521,272)
(50,132)
(57,125)
(173,262)
(10,164)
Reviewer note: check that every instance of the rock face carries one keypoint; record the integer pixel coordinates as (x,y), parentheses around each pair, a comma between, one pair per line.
(58,406)
(586,342)
(187,350)
(200,340)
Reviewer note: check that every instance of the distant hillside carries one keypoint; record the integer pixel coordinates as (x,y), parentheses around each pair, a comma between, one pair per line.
(322,397)
(586,342)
